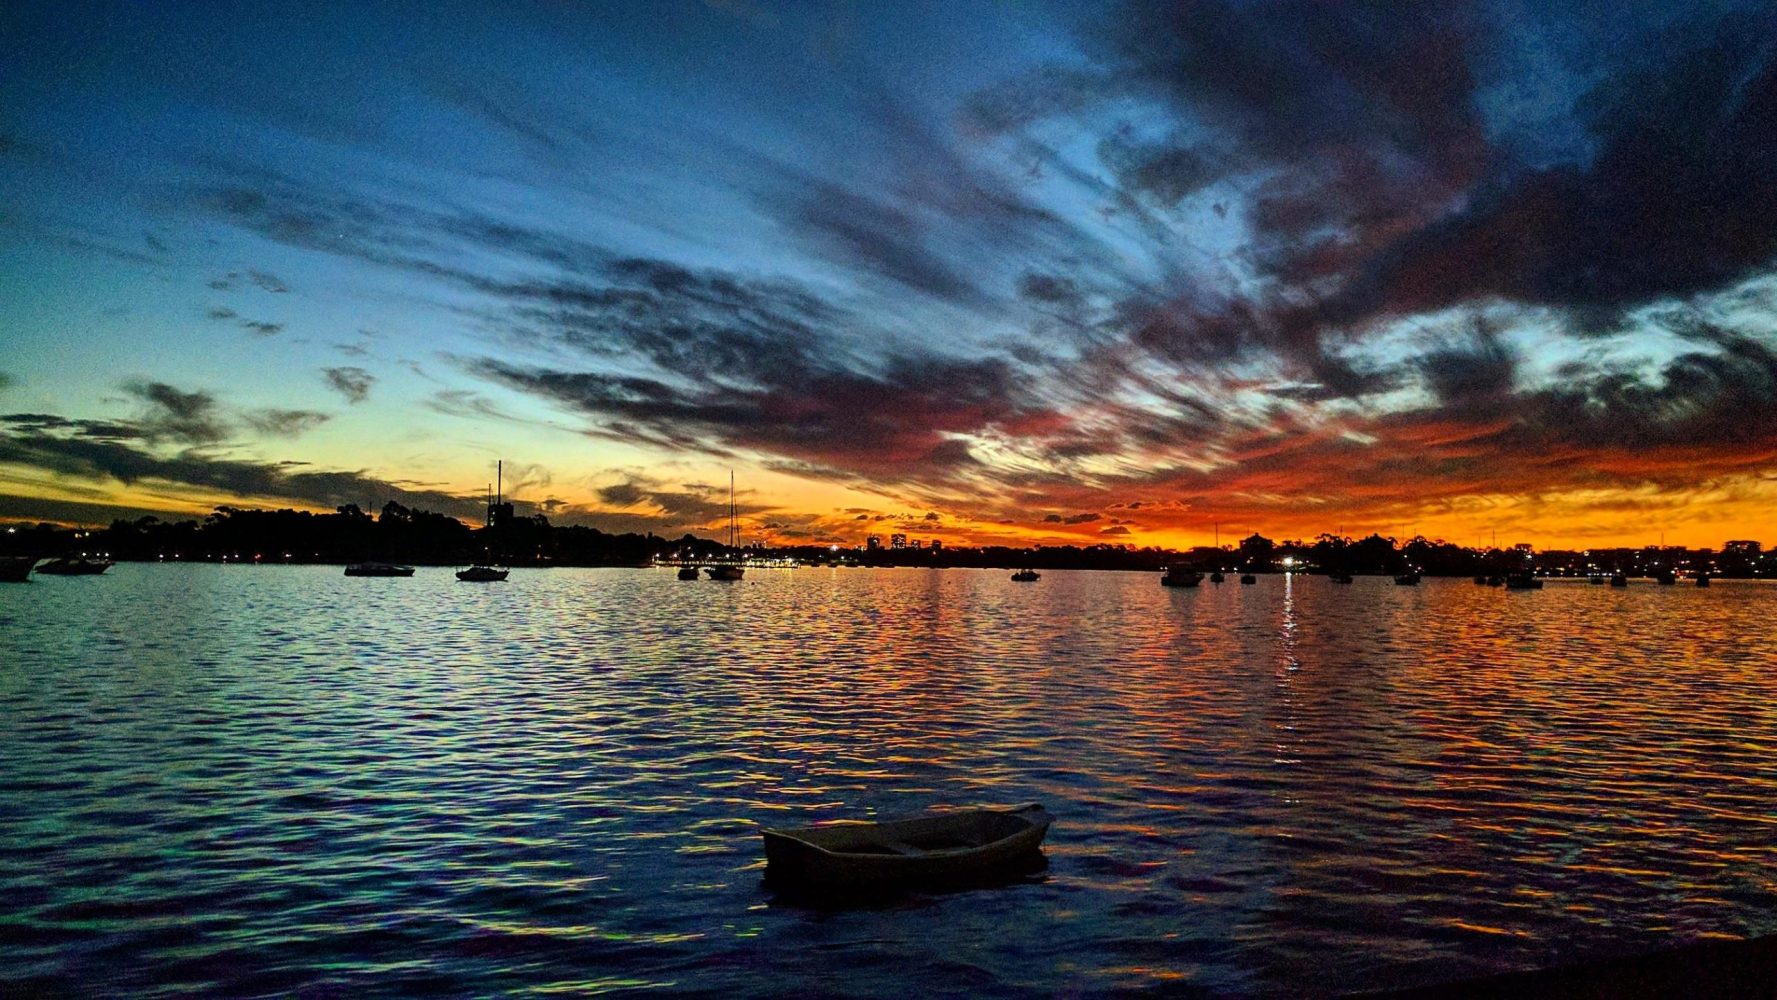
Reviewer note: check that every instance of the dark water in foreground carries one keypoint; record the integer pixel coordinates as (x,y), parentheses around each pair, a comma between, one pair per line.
(277,780)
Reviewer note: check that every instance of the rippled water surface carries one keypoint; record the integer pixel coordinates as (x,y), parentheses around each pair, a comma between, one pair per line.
(278,780)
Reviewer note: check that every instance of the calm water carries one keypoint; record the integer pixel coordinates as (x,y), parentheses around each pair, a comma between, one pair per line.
(277,780)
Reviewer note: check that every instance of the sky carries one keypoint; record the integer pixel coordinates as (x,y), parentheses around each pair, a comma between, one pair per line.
(984,272)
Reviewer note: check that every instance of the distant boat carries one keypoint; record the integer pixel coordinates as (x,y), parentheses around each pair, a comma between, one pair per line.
(1339,577)
(1702,579)
(484,572)
(1181,576)
(1026,575)
(1523,580)
(1596,580)
(1481,580)
(1216,577)
(1248,579)
(687,572)
(1664,577)
(378,569)
(1407,579)
(75,566)
(16,569)
(1619,580)
(729,570)
(1496,580)
(931,850)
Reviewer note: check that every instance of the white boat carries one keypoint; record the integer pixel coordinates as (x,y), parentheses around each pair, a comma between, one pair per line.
(75,566)
(935,849)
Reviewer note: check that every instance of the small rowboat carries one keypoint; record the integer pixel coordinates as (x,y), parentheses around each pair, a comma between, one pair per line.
(936,849)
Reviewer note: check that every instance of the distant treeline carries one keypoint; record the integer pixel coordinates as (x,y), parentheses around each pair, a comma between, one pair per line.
(420,537)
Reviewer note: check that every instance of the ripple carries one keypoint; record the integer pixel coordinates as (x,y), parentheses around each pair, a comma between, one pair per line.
(260,781)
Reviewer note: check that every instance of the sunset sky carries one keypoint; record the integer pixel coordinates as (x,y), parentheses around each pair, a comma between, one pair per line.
(992,272)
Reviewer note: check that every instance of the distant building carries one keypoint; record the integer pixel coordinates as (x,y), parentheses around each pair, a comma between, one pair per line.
(897,541)
(937,544)
(873,543)
(916,544)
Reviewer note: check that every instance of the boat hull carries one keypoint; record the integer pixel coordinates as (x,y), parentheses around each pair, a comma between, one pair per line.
(482,574)
(74,567)
(378,569)
(725,572)
(938,850)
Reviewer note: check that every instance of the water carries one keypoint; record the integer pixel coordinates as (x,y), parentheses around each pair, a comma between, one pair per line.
(266,781)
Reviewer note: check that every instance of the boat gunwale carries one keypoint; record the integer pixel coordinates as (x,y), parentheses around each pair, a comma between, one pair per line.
(1036,820)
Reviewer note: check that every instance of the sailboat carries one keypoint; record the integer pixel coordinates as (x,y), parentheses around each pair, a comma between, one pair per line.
(729,570)
(481,572)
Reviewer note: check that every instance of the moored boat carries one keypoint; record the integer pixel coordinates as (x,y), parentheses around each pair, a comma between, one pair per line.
(1619,580)
(1216,577)
(936,849)
(75,566)
(687,572)
(1523,580)
(378,569)
(1702,579)
(729,570)
(1339,577)
(482,574)
(1181,576)
(1407,579)
(1248,579)
(16,569)
(1026,576)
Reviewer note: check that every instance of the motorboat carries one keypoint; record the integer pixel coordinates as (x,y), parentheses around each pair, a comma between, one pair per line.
(1702,579)
(482,574)
(75,566)
(931,850)
(1523,580)
(1248,579)
(1181,576)
(1339,577)
(1407,579)
(1026,576)
(378,569)
(687,572)
(16,569)
(1216,577)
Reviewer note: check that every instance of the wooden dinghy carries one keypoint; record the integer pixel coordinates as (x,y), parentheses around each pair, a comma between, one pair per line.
(936,849)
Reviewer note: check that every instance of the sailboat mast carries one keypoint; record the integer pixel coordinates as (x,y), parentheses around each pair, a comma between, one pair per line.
(733,538)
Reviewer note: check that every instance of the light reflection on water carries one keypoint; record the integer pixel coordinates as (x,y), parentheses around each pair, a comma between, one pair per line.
(269,780)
